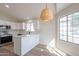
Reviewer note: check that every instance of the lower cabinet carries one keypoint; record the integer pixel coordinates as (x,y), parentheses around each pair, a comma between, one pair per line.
(24,44)
(5,39)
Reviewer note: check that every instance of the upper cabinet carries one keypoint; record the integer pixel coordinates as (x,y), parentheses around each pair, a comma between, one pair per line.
(14,25)
(30,25)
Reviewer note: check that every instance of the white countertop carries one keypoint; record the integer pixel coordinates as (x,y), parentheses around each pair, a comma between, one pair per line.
(25,35)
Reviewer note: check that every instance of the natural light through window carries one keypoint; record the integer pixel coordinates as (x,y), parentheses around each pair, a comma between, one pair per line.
(69,28)
(30,26)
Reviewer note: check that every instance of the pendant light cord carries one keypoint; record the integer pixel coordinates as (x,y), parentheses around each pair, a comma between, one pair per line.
(46,5)
(56,21)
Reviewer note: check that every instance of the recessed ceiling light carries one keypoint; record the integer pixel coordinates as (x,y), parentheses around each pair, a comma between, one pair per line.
(7,6)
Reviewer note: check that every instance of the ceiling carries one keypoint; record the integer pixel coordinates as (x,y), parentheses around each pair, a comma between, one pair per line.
(22,11)
(61,6)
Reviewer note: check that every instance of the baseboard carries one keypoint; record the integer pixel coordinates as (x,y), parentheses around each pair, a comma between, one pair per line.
(42,43)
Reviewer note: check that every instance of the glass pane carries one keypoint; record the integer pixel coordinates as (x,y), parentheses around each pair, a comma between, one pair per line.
(60,37)
(32,27)
(70,28)
(64,38)
(64,18)
(63,28)
(70,17)
(28,27)
(76,40)
(76,28)
(70,39)
(69,34)
(61,19)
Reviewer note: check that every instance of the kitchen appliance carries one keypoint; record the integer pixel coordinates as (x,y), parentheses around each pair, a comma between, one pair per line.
(5,27)
(4,34)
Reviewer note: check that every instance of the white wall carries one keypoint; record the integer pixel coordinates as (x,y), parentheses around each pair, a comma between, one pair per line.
(47,29)
(69,48)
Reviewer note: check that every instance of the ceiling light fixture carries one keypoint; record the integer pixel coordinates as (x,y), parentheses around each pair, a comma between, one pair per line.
(7,6)
(46,14)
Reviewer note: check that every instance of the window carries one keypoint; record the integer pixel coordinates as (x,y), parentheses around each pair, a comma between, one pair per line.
(30,26)
(70,39)
(63,28)
(75,28)
(69,28)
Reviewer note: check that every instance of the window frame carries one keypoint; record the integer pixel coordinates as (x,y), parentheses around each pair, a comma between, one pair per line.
(67,28)
(30,26)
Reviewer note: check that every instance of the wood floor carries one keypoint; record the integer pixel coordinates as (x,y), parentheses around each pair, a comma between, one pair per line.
(39,50)
(7,50)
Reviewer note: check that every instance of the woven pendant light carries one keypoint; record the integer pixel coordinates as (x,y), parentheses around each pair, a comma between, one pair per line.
(46,14)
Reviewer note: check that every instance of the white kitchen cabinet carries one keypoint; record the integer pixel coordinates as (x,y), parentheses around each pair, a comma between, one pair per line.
(23,44)
(14,25)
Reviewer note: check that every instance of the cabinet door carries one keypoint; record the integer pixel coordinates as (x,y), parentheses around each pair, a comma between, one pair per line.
(25,45)
(6,39)
(28,43)
(34,39)
(17,45)
(16,26)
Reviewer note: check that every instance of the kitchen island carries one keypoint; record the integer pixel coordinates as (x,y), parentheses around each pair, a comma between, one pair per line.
(24,43)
